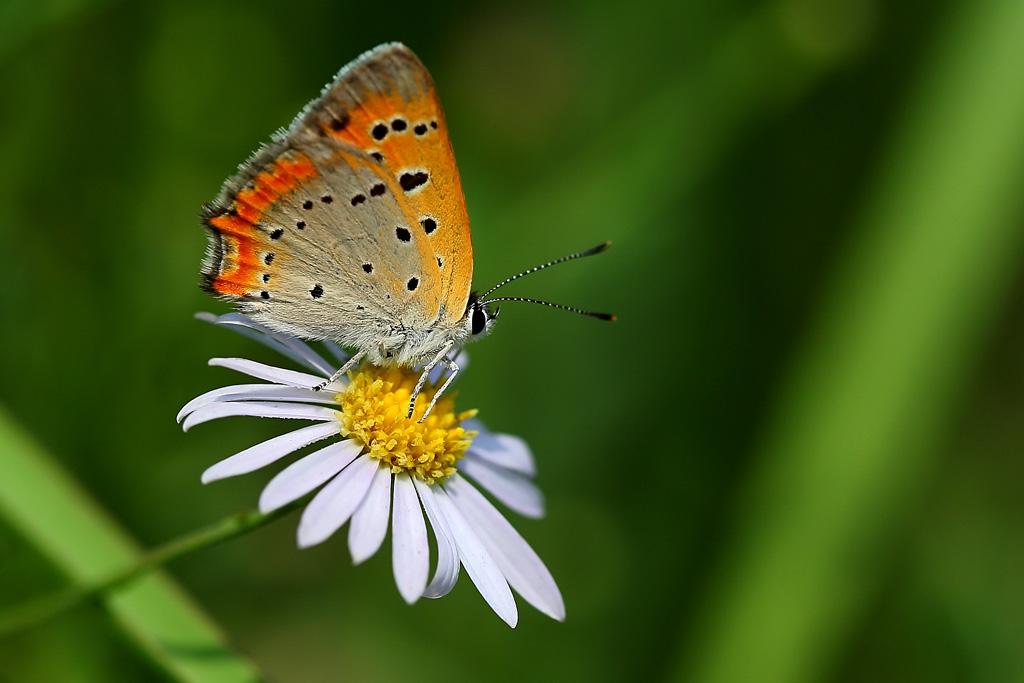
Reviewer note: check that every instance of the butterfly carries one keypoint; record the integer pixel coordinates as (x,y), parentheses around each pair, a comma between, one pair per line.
(351,226)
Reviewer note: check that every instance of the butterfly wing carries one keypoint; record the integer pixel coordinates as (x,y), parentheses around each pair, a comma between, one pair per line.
(337,230)
(386,105)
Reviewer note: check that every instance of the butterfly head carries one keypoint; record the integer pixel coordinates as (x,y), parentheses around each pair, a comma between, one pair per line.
(480,317)
(481,312)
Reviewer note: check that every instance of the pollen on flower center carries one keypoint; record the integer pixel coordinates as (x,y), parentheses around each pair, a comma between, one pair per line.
(374,408)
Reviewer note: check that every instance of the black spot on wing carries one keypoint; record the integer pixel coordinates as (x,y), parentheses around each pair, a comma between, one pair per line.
(412,284)
(316,292)
(403,234)
(339,123)
(412,180)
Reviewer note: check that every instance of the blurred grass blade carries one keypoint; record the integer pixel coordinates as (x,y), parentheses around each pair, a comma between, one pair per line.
(903,325)
(53,513)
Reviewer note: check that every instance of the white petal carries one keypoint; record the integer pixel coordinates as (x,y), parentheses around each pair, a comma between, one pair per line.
(273,374)
(511,488)
(336,502)
(307,473)
(503,450)
(285,344)
(256,392)
(262,454)
(307,353)
(447,571)
(518,562)
(290,411)
(370,520)
(410,551)
(479,564)
(236,322)
(212,396)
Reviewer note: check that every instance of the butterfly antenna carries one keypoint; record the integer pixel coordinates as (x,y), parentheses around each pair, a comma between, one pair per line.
(571,257)
(599,316)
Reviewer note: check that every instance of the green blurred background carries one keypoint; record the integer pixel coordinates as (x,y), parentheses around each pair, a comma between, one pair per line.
(796,457)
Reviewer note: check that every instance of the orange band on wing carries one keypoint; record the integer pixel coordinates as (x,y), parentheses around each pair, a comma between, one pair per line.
(232,225)
(300,168)
(240,262)
(240,241)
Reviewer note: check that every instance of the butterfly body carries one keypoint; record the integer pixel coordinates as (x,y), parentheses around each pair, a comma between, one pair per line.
(351,224)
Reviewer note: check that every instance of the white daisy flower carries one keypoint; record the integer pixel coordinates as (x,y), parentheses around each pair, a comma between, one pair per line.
(379,466)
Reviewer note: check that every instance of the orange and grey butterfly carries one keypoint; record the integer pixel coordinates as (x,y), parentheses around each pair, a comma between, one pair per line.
(351,224)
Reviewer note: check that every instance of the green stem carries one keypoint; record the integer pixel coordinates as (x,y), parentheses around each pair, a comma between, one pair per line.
(34,612)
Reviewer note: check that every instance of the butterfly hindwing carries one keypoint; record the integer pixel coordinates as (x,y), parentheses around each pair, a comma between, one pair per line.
(329,232)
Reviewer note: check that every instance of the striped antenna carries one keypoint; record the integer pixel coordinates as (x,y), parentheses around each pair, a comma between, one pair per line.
(599,316)
(571,257)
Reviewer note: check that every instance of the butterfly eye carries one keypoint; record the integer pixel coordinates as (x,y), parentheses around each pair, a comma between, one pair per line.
(479,320)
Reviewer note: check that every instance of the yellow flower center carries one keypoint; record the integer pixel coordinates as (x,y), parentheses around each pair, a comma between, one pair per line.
(374,408)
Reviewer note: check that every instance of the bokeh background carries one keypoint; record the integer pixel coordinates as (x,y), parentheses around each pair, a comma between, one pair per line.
(798,455)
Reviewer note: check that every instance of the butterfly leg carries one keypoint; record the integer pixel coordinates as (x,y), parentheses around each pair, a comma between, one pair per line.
(423,378)
(453,370)
(341,371)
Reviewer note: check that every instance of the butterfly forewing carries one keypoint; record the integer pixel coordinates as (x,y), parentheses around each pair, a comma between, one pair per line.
(353,221)
(385,104)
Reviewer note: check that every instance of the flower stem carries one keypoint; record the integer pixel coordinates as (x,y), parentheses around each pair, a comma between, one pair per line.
(34,612)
